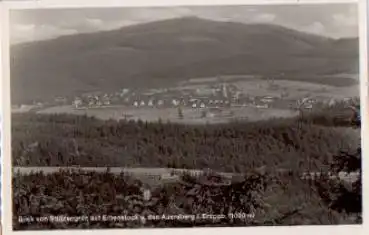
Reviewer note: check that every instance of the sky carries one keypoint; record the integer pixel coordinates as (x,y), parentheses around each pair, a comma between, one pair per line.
(332,20)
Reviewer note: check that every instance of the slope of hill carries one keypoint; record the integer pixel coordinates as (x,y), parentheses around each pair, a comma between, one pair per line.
(165,52)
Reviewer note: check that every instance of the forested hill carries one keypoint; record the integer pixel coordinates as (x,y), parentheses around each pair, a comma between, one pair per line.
(166,52)
(62,140)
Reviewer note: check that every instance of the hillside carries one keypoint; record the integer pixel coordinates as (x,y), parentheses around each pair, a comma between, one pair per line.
(165,52)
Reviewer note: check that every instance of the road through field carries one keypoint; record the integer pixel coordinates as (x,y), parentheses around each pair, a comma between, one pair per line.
(158,172)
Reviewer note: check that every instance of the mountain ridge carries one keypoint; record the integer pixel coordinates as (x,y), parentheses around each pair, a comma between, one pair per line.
(165,52)
(145,24)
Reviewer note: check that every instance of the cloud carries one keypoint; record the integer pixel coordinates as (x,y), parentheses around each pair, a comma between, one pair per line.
(345,20)
(30,32)
(119,24)
(54,31)
(94,23)
(264,18)
(148,14)
(20,32)
(91,25)
(316,28)
(23,27)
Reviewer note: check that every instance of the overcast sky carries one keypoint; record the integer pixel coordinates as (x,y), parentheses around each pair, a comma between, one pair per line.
(330,19)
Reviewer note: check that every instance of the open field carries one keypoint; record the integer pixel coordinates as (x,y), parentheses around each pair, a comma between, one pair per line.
(255,86)
(191,116)
(296,89)
(166,173)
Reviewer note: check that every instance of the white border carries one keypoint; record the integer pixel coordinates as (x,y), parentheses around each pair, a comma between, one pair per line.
(5,86)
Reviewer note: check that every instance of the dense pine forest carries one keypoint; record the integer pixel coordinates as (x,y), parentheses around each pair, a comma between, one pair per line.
(66,140)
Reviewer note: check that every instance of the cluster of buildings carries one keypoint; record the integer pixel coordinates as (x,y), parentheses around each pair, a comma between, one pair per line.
(92,101)
(222,95)
(217,96)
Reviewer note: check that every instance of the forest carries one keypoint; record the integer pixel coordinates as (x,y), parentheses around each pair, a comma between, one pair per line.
(258,199)
(67,140)
(317,141)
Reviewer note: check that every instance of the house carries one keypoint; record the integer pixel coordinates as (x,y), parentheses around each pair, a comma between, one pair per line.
(60,100)
(267,99)
(160,102)
(308,106)
(77,103)
(202,105)
(124,92)
(135,103)
(175,102)
(237,95)
(169,177)
(150,103)
(194,105)
(142,103)
(265,106)
(106,100)
(91,101)
(332,102)
(146,194)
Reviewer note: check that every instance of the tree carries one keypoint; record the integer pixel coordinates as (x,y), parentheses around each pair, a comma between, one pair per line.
(180,113)
(203,114)
(341,195)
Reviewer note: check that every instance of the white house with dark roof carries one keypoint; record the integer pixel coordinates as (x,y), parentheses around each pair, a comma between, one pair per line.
(150,103)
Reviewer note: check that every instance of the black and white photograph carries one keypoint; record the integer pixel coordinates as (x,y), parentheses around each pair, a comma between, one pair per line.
(185,116)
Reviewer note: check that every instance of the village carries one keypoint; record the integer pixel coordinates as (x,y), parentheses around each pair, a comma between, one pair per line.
(217,96)
(211,98)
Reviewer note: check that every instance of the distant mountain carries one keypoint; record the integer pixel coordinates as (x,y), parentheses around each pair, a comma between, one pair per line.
(165,52)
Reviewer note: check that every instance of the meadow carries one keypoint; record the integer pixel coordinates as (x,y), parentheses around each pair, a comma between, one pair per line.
(190,115)
(326,87)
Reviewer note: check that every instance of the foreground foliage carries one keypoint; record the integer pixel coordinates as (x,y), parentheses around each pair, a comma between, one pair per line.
(258,199)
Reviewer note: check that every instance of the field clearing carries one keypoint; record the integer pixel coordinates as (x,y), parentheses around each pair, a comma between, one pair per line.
(251,85)
(191,116)
(295,89)
(158,173)
(225,78)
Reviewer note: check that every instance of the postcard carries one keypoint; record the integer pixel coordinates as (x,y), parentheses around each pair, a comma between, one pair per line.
(187,116)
